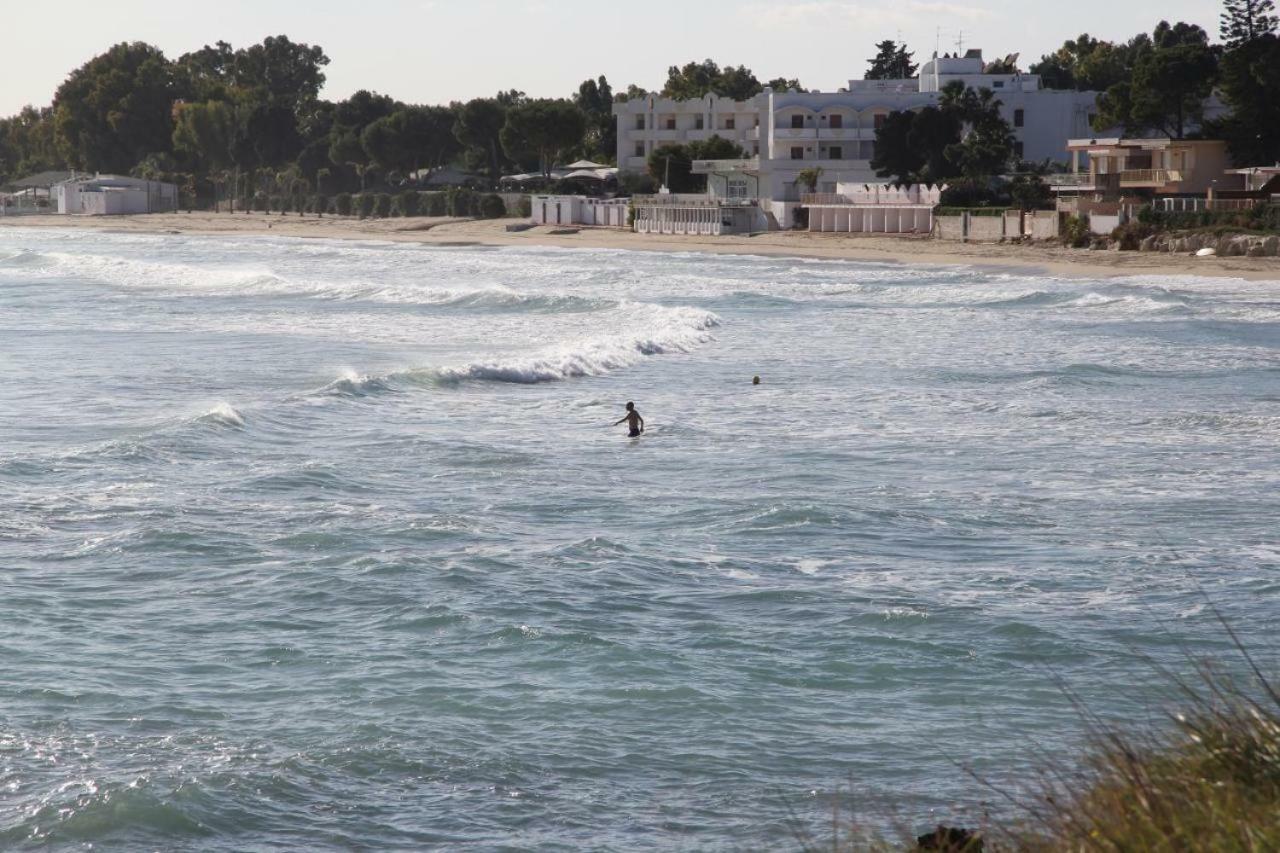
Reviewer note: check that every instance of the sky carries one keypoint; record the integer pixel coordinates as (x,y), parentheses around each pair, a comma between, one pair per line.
(436,51)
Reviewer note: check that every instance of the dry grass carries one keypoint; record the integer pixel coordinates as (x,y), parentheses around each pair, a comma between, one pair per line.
(1208,781)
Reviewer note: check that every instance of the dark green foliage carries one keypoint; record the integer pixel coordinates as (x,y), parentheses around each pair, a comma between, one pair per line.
(406,204)
(319,205)
(382,205)
(674,163)
(595,99)
(892,62)
(1261,217)
(478,127)
(342,204)
(932,145)
(436,204)
(542,129)
(115,109)
(525,206)
(1129,236)
(1250,81)
(697,79)
(1030,192)
(492,207)
(1170,79)
(785,84)
(364,204)
(461,202)
(1246,20)
(1075,232)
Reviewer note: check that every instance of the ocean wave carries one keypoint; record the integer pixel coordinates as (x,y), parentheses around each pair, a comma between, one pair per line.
(669,331)
(223,415)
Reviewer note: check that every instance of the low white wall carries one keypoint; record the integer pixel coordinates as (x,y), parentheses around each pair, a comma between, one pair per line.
(1102,223)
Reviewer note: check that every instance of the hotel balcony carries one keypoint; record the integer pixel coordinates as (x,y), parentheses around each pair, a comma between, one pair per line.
(1149,178)
(795,133)
(668,135)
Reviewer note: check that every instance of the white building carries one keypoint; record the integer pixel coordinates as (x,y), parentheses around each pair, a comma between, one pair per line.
(835,132)
(107,195)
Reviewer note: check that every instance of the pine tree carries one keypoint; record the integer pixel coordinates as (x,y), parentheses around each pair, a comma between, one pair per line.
(892,62)
(1245,20)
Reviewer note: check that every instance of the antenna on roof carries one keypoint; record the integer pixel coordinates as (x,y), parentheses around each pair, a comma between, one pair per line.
(960,43)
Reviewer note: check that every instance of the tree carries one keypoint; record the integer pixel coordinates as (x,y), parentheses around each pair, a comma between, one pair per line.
(27,143)
(1249,82)
(595,99)
(809,178)
(1087,64)
(894,156)
(633,92)
(785,84)
(671,165)
(1246,20)
(208,133)
(1029,191)
(478,128)
(1172,73)
(892,62)
(115,109)
(716,148)
(544,128)
(987,148)
(698,79)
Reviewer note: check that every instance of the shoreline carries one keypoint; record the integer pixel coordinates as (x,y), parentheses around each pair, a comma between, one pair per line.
(1040,259)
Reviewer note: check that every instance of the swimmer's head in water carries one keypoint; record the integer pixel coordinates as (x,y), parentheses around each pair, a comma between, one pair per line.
(630,406)
(755,380)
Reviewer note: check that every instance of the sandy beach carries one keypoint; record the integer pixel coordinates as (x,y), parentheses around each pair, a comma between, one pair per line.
(444,231)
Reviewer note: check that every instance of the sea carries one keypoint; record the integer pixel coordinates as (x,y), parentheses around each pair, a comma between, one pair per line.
(312,545)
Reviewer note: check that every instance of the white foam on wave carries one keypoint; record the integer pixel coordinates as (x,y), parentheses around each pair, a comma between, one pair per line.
(674,330)
(223,414)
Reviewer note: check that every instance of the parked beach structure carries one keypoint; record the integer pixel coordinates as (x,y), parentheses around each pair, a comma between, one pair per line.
(108,195)
(873,209)
(579,210)
(789,132)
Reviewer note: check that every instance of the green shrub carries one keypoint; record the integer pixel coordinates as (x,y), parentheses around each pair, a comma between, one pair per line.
(382,205)
(525,207)
(1075,232)
(434,204)
(461,202)
(364,205)
(319,205)
(262,203)
(492,206)
(1131,234)
(342,204)
(407,203)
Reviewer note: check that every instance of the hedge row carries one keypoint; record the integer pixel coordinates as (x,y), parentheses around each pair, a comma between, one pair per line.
(452,202)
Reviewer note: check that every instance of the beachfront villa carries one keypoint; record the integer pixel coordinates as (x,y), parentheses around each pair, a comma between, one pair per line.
(789,132)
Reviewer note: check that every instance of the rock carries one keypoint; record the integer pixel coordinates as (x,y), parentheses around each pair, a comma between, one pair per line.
(1206,253)
(1148,244)
(1256,251)
(1271,246)
(950,839)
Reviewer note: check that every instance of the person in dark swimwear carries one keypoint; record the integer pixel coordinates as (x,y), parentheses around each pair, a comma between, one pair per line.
(633,420)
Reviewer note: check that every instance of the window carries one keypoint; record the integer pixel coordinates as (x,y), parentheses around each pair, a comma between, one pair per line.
(697,125)
(671,124)
(729,124)
(835,152)
(1017,150)
(1019,118)
(757,124)
(797,153)
(837,121)
(639,122)
(639,149)
(797,121)
(879,120)
(755,149)
(998,84)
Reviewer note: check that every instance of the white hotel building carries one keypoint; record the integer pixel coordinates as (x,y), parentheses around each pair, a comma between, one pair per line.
(787,132)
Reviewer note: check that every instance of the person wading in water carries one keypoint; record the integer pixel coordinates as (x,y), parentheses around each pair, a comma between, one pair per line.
(633,420)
